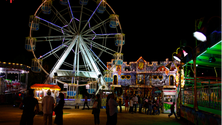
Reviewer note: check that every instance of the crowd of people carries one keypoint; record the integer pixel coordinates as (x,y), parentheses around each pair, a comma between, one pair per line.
(149,105)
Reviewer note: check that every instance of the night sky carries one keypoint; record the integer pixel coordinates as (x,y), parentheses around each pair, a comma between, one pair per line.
(153,28)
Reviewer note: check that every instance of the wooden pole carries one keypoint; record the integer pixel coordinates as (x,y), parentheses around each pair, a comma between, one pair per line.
(195,82)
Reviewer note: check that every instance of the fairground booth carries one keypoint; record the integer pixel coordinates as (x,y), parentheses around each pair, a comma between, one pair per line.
(153,80)
(13,82)
(40,91)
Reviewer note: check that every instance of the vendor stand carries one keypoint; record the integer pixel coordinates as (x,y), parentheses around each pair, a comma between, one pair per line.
(40,91)
(103,96)
(169,96)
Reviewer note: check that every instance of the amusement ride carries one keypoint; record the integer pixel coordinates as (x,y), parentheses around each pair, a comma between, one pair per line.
(76,35)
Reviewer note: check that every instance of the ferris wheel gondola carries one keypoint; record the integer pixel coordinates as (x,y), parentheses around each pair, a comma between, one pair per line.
(77,33)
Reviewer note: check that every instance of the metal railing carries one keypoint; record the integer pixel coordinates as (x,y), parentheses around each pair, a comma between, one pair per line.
(208,94)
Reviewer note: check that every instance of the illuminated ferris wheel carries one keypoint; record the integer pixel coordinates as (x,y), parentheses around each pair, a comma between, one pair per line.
(76,36)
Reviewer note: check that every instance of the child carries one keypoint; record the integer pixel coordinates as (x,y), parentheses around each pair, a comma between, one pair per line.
(131,105)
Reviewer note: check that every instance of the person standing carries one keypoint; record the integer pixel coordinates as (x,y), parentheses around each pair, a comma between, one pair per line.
(146,105)
(85,103)
(131,105)
(140,101)
(107,110)
(126,104)
(28,111)
(172,110)
(158,101)
(96,110)
(59,110)
(48,106)
(135,102)
(120,104)
(112,110)
(149,108)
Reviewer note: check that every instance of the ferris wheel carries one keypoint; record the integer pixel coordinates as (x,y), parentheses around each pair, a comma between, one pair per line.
(76,34)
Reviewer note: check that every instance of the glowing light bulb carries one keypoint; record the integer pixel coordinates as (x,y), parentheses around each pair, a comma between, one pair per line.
(200,36)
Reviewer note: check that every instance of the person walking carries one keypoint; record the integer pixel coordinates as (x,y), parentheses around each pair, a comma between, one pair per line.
(96,110)
(48,106)
(112,110)
(28,111)
(59,110)
(135,102)
(126,104)
(85,103)
(172,110)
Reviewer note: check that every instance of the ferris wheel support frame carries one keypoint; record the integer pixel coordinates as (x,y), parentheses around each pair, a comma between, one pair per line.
(63,57)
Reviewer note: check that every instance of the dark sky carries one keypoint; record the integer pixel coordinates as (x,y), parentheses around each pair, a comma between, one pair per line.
(153,28)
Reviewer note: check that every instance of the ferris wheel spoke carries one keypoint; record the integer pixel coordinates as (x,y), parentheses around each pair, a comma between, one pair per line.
(62,19)
(53,38)
(89,58)
(48,22)
(48,37)
(97,58)
(68,64)
(100,47)
(80,18)
(96,26)
(64,63)
(72,17)
(58,39)
(100,36)
(70,9)
(61,28)
(91,16)
(56,29)
(105,34)
(44,56)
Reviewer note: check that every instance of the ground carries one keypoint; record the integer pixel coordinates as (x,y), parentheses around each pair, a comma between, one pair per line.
(11,116)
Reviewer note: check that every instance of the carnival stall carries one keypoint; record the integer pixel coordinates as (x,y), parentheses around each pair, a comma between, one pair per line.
(169,96)
(11,77)
(40,91)
(103,96)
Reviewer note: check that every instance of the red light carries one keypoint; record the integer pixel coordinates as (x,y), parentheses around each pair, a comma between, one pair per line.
(10,1)
(20,94)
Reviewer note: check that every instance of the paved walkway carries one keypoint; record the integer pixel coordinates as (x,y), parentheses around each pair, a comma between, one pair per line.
(11,116)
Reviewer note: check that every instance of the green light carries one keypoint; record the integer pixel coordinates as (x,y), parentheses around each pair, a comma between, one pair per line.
(204,57)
